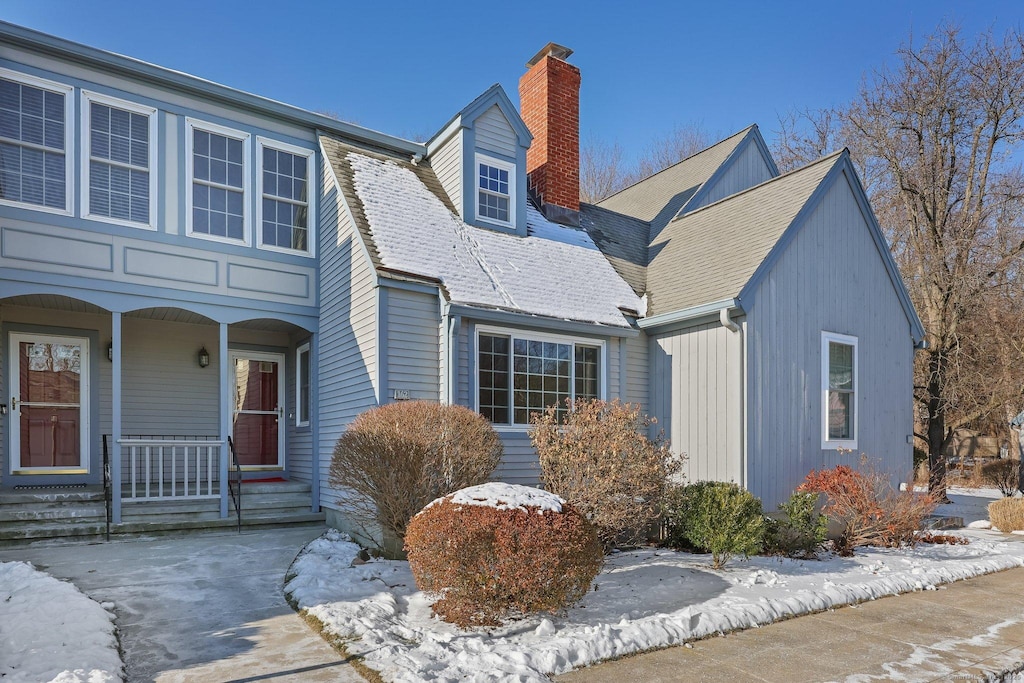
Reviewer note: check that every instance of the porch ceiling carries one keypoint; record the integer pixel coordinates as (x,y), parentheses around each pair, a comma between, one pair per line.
(54,302)
(174,315)
(267,325)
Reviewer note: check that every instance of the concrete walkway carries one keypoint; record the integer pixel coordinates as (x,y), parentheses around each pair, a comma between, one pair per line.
(202,607)
(964,631)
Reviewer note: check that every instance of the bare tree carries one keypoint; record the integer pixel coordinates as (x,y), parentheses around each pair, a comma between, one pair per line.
(679,143)
(936,136)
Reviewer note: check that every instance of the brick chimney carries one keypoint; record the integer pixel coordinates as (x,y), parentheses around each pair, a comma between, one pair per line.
(549,97)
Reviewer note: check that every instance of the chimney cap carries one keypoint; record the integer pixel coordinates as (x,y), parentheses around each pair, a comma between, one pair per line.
(550,50)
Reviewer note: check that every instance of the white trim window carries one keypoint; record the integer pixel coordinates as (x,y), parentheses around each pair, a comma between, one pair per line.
(839,367)
(285,209)
(118,161)
(302,385)
(35,142)
(495,190)
(523,373)
(217,161)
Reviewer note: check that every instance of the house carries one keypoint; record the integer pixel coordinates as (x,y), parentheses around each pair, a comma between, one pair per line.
(184,266)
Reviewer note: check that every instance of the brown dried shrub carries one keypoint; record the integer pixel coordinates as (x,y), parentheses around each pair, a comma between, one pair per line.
(1007,514)
(1002,474)
(489,565)
(395,459)
(599,457)
(942,539)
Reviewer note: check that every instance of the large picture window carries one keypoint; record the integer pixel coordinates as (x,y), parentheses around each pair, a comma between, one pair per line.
(839,390)
(520,375)
(218,160)
(284,208)
(35,137)
(119,180)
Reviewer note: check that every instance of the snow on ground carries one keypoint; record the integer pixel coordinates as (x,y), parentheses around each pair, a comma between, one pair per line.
(49,631)
(642,599)
(971,504)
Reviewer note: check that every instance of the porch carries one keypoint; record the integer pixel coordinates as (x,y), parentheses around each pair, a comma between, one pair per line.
(140,406)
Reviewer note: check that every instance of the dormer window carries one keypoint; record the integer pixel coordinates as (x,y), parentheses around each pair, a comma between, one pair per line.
(495,189)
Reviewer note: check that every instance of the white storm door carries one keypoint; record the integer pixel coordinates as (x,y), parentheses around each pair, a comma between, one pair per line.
(49,400)
(258,409)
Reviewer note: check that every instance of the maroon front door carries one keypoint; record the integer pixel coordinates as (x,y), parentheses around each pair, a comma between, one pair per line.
(259,403)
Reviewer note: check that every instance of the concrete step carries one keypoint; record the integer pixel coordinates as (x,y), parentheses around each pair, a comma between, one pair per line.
(30,496)
(275,487)
(12,534)
(50,512)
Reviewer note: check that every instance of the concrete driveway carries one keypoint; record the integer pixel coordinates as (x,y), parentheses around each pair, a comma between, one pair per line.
(202,607)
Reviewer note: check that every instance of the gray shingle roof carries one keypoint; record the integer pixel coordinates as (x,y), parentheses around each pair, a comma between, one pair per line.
(709,254)
(658,198)
(623,240)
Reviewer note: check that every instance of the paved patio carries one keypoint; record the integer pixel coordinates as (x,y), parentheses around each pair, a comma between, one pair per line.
(202,607)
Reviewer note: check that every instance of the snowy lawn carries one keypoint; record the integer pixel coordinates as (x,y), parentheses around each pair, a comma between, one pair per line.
(50,631)
(643,599)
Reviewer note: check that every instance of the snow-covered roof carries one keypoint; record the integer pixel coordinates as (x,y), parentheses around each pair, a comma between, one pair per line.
(555,271)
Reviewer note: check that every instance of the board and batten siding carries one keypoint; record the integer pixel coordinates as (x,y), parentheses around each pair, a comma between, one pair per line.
(696,374)
(413,319)
(347,346)
(831,277)
(494,133)
(447,165)
(748,169)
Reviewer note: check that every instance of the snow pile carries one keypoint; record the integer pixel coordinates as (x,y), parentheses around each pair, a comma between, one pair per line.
(49,631)
(555,271)
(644,599)
(502,496)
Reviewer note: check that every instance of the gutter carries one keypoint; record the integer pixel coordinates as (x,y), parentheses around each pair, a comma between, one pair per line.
(689,314)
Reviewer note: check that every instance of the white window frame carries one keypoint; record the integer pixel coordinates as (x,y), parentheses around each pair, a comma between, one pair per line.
(88,97)
(191,125)
(513,333)
(300,398)
(69,138)
(848,340)
(505,166)
(311,192)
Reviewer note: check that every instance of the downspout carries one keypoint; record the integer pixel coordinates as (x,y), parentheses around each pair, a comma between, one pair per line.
(731,325)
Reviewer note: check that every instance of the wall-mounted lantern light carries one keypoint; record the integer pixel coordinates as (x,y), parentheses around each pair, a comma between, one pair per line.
(204,357)
(110,352)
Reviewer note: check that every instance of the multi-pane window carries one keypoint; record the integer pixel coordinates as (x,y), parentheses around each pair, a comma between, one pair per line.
(519,376)
(494,195)
(285,202)
(218,183)
(839,379)
(33,144)
(302,395)
(120,145)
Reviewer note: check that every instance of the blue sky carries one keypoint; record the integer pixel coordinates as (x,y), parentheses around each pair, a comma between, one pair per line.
(405,68)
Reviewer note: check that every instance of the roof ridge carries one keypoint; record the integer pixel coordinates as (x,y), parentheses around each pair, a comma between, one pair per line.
(695,154)
(787,174)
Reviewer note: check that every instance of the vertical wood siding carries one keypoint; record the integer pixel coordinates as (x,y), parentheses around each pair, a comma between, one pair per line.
(412,344)
(747,170)
(447,165)
(831,277)
(494,133)
(347,339)
(695,387)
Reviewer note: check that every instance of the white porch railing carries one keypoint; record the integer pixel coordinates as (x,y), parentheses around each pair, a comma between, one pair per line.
(170,469)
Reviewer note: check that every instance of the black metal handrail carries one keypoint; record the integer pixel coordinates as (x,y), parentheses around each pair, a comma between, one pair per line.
(107,484)
(236,496)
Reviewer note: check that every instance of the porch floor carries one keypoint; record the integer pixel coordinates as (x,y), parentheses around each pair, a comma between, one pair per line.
(32,514)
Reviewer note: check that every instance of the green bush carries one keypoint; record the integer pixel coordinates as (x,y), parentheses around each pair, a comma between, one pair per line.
(801,530)
(716,517)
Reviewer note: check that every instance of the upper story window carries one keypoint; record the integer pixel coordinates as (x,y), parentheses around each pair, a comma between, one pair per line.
(35,141)
(839,390)
(119,181)
(218,171)
(285,200)
(495,190)
(521,375)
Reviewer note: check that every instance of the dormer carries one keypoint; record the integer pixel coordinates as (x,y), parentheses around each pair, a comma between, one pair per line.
(480,160)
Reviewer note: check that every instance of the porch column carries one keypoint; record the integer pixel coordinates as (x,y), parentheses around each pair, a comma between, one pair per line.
(314,416)
(115,419)
(225,416)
